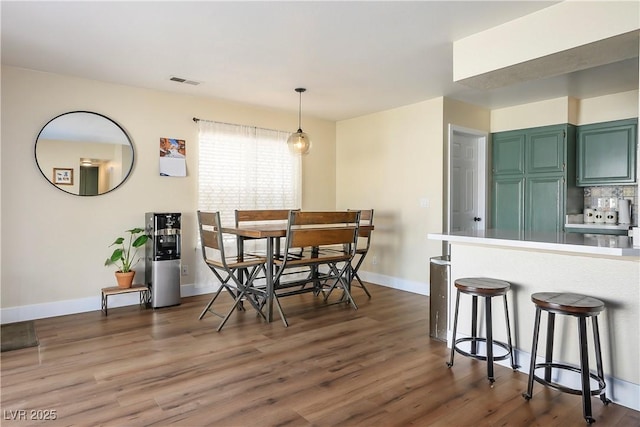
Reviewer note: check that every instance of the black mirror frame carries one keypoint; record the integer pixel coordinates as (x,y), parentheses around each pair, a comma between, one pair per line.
(133,153)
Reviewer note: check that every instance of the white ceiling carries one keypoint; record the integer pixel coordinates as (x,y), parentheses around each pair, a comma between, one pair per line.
(354,58)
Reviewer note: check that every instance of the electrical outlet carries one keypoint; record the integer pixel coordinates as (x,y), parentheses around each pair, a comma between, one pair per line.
(374,260)
(185,270)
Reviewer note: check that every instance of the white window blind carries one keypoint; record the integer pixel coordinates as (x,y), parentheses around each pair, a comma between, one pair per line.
(244,167)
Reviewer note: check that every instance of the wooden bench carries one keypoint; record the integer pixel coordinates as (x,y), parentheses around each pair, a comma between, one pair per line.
(315,239)
(143,290)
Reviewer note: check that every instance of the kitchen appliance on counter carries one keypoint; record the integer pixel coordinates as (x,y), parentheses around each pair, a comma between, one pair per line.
(624,211)
(588,216)
(162,266)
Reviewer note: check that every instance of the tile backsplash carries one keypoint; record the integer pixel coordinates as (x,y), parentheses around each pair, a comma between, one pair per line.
(605,197)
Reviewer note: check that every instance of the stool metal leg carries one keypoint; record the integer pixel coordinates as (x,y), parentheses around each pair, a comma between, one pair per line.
(455,327)
(584,370)
(477,339)
(534,349)
(489,340)
(551,322)
(506,315)
(598,349)
(474,325)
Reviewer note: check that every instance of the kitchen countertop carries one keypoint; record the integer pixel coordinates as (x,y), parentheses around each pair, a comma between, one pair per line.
(590,244)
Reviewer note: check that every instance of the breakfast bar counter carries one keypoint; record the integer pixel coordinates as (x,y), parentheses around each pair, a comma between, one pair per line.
(603,267)
(578,243)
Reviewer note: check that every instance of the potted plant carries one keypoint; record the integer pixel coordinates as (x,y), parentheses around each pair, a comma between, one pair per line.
(124,256)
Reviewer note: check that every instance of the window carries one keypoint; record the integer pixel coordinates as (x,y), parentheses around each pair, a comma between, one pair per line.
(244,167)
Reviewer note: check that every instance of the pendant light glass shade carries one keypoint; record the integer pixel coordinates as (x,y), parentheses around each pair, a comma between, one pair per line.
(299,142)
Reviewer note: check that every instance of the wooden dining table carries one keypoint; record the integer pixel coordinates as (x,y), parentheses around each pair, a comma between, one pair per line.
(270,232)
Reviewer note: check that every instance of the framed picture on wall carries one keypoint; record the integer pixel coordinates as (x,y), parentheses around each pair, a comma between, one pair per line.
(63,176)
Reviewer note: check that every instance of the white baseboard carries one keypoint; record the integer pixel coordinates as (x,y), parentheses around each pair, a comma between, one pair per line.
(82,305)
(395,283)
(57,308)
(192,290)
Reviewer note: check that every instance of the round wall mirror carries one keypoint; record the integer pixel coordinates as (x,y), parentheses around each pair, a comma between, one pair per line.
(84,153)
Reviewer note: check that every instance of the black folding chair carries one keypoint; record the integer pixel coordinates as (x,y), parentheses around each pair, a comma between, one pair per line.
(365,228)
(362,248)
(236,273)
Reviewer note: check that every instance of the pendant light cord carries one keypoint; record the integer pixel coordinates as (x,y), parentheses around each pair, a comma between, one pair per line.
(300,90)
(300,112)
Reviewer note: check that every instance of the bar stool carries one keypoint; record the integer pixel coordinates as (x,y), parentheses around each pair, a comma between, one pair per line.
(486,288)
(580,306)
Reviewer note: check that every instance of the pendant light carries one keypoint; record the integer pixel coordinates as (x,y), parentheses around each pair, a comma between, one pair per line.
(299,142)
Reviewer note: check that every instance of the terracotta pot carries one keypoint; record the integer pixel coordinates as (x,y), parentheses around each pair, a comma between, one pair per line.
(125,279)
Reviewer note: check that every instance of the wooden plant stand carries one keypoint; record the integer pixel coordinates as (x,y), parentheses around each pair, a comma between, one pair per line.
(143,290)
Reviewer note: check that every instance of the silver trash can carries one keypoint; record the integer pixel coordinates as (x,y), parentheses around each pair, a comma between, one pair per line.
(439,272)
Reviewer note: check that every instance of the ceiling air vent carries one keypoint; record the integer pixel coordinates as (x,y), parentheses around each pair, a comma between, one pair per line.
(185,81)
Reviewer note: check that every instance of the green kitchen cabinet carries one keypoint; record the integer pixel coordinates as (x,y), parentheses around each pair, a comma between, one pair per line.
(546,150)
(508,153)
(507,211)
(544,203)
(606,153)
(533,179)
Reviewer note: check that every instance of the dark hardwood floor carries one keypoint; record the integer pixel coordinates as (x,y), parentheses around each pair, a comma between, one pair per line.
(333,366)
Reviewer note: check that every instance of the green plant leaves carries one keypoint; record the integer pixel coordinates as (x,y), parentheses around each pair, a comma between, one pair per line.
(124,257)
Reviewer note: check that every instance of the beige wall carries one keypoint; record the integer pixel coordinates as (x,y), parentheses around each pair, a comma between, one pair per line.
(543,113)
(54,244)
(616,106)
(466,115)
(605,108)
(392,161)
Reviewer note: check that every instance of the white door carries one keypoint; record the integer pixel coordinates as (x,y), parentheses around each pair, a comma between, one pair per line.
(467,180)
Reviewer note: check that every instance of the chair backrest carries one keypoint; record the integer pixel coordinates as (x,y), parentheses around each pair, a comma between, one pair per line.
(209,226)
(366,218)
(261,215)
(366,215)
(317,229)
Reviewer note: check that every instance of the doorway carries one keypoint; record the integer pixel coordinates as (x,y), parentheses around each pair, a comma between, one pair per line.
(467,180)
(89,180)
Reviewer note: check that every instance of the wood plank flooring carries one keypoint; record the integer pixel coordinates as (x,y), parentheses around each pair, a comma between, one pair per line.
(333,366)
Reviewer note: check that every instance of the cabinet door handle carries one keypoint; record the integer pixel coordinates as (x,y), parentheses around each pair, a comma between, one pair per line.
(477,219)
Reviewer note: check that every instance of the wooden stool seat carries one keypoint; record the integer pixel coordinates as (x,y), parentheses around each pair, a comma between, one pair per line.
(581,307)
(564,303)
(482,286)
(486,288)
